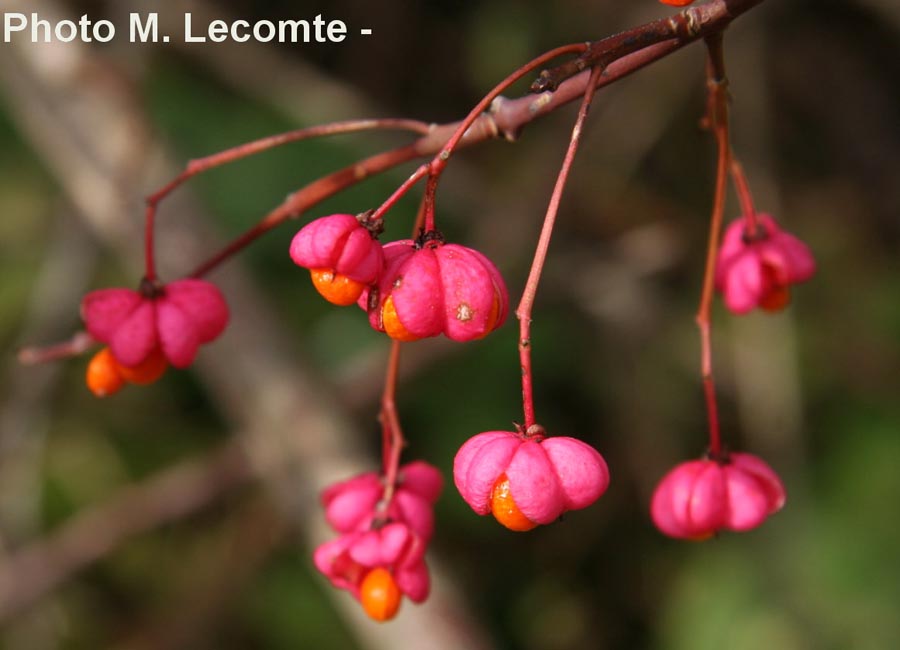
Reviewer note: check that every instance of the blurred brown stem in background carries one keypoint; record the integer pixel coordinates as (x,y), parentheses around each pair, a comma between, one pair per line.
(177,492)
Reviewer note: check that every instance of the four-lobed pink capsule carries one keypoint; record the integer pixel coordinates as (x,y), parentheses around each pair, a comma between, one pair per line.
(757,269)
(172,319)
(526,480)
(698,498)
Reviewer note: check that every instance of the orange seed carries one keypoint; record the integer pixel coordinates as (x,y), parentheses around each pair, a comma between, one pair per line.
(379,594)
(336,288)
(391,323)
(147,371)
(505,509)
(776,299)
(103,377)
(494,316)
(778,295)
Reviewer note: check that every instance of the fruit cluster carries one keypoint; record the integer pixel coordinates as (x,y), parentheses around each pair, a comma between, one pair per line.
(412,289)
(148,329)
(380,553)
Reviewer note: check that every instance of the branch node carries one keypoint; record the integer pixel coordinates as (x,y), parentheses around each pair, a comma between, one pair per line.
(691,22)
(542,83)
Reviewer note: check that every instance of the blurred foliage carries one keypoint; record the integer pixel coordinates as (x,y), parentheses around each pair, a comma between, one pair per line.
(816,97)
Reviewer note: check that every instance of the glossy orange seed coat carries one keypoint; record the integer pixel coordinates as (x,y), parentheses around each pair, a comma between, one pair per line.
(391,323)
(776,299)
(379,594)
(677,3)
(336,288)
(505,509)
(494,315)
(103,377)
(147,371)
(778,296)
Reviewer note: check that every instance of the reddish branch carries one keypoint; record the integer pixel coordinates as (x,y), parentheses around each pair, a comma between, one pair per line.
(690,24)
(440,161)
(79,343)
(619,55)
(201,165)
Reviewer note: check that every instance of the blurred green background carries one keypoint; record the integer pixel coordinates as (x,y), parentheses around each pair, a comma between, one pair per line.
(813,390)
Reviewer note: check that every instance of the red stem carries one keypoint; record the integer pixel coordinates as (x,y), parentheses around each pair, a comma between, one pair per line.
(417,175)
(717,85)
(523,311)
(428,202)
(149,245)
(437,165)
(742,188)
(392,440)
(439,162)
(310,195)
(79,343)
(200,165)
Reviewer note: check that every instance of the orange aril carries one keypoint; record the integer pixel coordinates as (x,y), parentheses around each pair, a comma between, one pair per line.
(336,288)
(494,315)
(776,299)
(505,509)
(391,323)
(103,377)
(147,371)
(777,296)
(379,594)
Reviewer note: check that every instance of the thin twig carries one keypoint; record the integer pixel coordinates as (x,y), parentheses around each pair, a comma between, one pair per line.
(77,344)
(745,197)
(439,163)
(523,311)
(392,435)
(201,165)
(717,118)
(687,25)
(507,118)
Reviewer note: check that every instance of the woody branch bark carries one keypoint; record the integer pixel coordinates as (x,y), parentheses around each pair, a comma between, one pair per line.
(690,24)
(618,56)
